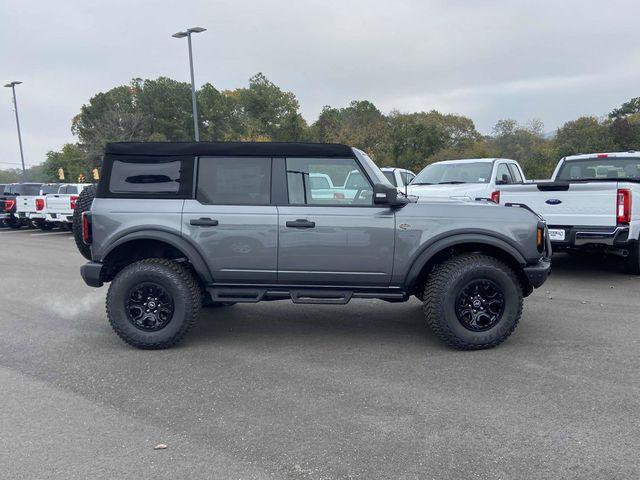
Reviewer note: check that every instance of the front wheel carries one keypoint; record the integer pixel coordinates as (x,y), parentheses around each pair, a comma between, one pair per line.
(472,301)
(153,303)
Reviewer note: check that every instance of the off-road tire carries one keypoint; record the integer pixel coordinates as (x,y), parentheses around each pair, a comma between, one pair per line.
(442,289)
(632,262)
(177,280)
(83,204)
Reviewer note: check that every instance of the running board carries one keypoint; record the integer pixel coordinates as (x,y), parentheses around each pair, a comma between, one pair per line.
(311,295)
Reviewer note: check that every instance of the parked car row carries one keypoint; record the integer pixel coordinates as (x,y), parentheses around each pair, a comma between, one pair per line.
(39,205)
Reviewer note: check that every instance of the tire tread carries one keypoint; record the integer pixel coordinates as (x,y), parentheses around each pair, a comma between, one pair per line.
(437,282)
(195,299)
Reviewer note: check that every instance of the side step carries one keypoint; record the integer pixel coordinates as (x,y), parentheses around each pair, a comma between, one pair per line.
(297,294)
(334,297)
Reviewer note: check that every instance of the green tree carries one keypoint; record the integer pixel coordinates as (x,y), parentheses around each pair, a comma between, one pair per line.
(360,125)
(415,137)
(72,159)
(583,135)
(627,108)
(267,112)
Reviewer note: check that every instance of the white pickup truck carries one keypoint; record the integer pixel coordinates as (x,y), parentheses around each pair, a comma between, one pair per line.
(59,206)
(467,179)
(589,204)
(31,207)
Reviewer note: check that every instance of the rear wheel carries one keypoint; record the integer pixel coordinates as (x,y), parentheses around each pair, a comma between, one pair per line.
(13,222)
(44,225)
(632,262)
(153,303)
(83,204)
(472,301)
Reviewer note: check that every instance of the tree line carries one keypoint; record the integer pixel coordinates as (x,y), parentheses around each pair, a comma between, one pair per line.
(160,110)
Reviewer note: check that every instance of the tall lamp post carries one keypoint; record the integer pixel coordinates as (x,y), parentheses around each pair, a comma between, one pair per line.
(187,34)
(12,86)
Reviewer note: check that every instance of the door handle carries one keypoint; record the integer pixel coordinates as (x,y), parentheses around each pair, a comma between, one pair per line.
(301,223)
(203,222)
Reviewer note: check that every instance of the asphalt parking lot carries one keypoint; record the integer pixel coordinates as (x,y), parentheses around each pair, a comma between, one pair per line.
(275,390)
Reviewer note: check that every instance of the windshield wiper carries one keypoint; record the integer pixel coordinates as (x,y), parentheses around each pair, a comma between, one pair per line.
(453,182)
(420,183)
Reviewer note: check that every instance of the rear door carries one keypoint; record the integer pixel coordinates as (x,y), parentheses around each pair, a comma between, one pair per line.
(341,240)
(232,220)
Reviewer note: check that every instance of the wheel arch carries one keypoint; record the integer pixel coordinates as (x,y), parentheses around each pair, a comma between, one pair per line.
(442,249)
(150,244)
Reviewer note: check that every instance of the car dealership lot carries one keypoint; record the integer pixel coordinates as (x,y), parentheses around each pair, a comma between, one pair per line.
(276,390)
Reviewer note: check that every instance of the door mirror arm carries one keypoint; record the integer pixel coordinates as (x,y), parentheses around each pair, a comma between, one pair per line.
(388,195)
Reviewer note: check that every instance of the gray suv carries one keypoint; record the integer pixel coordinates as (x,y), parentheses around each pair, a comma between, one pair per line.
(178,226)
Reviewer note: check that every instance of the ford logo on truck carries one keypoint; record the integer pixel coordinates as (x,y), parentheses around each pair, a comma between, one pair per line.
(553,201)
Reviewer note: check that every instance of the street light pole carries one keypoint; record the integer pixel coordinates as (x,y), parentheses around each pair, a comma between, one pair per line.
(187,34)
(12,85)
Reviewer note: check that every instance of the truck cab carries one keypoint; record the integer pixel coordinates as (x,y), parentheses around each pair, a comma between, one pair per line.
(467,179)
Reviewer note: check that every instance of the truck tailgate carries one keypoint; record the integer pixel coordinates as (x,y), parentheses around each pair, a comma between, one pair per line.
(25,203)
(58,203)
(568,204)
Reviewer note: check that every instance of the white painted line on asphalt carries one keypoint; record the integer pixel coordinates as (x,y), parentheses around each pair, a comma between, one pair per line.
(48,233)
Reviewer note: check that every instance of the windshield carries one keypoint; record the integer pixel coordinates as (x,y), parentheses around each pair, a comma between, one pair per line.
(612,168)
(463,172)
(27,189)
(47,189)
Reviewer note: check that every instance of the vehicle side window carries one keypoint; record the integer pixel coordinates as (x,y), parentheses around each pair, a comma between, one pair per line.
(391,176)
(158,176)
(407,177)
(349,184)
(234,180)
(515,173)
(503,175)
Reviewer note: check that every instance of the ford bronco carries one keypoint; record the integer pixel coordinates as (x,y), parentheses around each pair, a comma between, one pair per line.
(177,226)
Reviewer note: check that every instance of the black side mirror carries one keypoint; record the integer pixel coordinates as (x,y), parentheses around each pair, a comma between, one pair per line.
(387,195)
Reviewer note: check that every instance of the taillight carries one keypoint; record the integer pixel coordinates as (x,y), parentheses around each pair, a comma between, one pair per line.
(39,204)
(9,204)
(87,234)
(623,206)
(73,199)
(495,196)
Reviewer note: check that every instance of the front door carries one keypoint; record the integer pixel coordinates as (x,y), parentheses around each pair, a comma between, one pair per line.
(330,232)
(232,222)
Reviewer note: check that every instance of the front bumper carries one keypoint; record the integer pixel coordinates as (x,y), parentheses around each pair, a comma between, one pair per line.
(538,273)
(91,273)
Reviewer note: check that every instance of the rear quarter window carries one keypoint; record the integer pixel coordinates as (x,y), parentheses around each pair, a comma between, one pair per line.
(147,177)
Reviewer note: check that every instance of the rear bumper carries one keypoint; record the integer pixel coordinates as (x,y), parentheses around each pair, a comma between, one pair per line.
(580,236)
(66,217)
(538,273)
(91,273)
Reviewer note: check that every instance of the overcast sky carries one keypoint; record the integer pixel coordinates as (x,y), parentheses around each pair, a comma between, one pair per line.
(551,60)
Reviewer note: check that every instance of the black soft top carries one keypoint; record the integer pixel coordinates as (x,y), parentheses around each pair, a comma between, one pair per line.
(245,149)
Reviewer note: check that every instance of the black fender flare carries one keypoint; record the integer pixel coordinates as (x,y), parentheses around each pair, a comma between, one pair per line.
(171,238)
(430,250)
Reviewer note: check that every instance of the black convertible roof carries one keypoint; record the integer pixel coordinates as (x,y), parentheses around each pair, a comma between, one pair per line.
(257,149)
